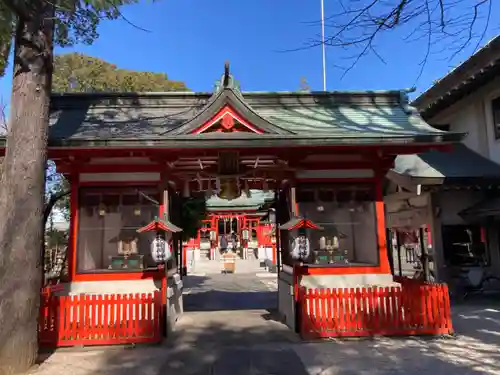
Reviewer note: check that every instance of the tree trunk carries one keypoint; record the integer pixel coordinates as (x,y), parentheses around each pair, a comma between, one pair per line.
(22,190)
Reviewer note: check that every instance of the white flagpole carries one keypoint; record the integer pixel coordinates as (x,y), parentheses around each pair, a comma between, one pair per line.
(323,42)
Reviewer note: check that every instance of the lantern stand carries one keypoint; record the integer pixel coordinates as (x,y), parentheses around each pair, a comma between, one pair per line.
(161,226)
(302,224)
(161,254)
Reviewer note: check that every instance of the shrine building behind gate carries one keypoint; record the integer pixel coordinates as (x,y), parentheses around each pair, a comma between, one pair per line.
(250,217)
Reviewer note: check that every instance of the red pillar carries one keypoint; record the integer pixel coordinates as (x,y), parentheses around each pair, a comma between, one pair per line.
(380,216)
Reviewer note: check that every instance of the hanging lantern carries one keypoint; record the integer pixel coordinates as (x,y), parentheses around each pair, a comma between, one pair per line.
(272,215)
(245,234)
(209,191)
(229,189)
(102,209)
(265,186)
(160,249)
(199,181)
(137,211)
(185,191)
(213,235)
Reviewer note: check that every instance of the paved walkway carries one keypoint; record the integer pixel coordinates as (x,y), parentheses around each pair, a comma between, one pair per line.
(212,267)
(221,292)
(249,341)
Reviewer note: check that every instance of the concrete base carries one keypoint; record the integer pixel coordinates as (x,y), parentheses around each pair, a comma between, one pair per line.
(110,287)
(286,302)
(347,281)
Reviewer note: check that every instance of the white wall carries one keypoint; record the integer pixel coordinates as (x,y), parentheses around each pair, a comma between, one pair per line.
(473,115)
(347,281)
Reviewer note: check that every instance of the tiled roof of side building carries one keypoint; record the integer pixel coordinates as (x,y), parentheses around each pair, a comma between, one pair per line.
(459,165)
(478,70)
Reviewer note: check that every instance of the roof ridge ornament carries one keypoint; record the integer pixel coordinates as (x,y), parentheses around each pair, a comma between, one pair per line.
(227,81)
(227,75)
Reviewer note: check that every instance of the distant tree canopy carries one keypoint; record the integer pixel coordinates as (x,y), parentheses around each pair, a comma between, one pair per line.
(75,72)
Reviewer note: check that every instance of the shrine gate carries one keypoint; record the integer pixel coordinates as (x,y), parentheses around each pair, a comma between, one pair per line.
(323,154)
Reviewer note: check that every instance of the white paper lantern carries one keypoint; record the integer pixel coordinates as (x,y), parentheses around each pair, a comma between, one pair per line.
(160,250)
(244,234)
(301,248)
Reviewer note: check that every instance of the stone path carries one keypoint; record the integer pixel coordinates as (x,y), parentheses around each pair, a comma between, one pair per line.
(251,341)
(228,292)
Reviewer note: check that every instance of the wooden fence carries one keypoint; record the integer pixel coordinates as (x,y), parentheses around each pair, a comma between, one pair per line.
(100,320)
(411,309)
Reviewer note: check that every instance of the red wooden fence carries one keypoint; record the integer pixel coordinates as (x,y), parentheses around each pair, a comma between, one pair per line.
(407,310)
(100,320)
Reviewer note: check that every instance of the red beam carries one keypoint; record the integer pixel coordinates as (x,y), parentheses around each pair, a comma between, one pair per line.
(110,168)
(197,152)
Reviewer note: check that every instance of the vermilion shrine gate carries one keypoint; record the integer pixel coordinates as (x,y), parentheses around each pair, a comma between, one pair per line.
(250,217)
(324,154)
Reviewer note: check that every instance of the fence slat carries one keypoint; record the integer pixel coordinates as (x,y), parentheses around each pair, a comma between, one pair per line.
(410,309)
(100,320)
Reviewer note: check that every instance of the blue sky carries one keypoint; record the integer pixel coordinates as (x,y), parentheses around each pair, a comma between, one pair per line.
(191,39)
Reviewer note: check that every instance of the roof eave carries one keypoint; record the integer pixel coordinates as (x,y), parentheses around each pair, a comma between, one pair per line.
(469,69)
(261,141)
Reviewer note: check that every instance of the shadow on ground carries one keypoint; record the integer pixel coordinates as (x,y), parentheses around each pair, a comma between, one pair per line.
(217,300)
(253,342)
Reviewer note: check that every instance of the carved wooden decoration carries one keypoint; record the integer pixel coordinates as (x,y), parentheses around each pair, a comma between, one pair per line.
(227,121)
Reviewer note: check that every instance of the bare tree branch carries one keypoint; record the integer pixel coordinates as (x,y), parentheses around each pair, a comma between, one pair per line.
(3,117)
(445,26)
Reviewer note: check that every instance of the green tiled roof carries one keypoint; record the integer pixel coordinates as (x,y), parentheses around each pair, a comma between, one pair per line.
(287,118)
(255,201)
(438,167)
(344,120)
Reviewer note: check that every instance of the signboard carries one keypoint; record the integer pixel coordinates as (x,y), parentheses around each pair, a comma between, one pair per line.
(414,218)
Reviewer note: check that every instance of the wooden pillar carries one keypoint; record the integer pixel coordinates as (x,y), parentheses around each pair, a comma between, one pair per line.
(424,254)
(294,206)
(277,247)
(390,250)
(439,264)
(398,245)
(73,227)
(380,216)
(164,206)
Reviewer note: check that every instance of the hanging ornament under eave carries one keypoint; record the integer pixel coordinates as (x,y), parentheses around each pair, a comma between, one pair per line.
(246,189)
(265,186)
(209,192)
(186,193)
(160,249)
(102,209)
(229,189)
